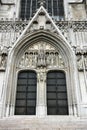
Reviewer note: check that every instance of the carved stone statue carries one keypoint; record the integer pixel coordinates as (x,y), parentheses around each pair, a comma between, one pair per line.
(26,59)
(61,63)
(41,59)
(80,62)
(41,76)
(52,58)
(48,59)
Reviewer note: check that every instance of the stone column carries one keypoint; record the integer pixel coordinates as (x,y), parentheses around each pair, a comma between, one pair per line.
(41,109)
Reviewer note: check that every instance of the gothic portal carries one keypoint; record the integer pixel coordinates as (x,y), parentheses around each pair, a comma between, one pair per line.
(43,58)
(41,82)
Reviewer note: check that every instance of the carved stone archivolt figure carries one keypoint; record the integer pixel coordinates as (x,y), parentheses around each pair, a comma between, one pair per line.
(48,59)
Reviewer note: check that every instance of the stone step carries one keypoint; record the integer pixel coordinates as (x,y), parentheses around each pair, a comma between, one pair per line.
(45,123)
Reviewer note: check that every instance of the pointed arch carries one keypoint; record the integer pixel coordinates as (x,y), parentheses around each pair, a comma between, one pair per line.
(67,55)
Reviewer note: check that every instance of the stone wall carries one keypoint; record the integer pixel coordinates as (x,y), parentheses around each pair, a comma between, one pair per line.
(74,32)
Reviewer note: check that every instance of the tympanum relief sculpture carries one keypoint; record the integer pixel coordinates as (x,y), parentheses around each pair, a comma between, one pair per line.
(41,54)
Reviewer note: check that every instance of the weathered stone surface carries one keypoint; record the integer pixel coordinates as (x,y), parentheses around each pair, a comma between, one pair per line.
(35,123)
(67,36)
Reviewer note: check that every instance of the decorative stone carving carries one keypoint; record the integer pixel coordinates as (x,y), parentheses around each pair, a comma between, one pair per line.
(81,58)
(41,54)
(41,76)
(80,62)
(41,59)
(3,59)
(18,26)
(41,2)
(10,30)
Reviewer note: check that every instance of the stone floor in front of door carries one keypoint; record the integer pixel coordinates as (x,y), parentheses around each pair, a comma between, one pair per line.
(43,123)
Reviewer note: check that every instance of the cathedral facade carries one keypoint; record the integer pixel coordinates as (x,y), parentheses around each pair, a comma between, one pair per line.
(43,58)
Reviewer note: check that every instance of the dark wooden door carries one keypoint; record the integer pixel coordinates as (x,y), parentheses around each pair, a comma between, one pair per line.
(56,93)
(26,93)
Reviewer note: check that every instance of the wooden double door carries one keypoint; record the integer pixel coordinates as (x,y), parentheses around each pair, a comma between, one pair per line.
(27,92)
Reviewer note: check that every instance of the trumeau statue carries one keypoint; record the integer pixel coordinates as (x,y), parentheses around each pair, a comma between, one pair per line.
(41,55)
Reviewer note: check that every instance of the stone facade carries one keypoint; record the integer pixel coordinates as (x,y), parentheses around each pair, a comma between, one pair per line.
(42,44)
